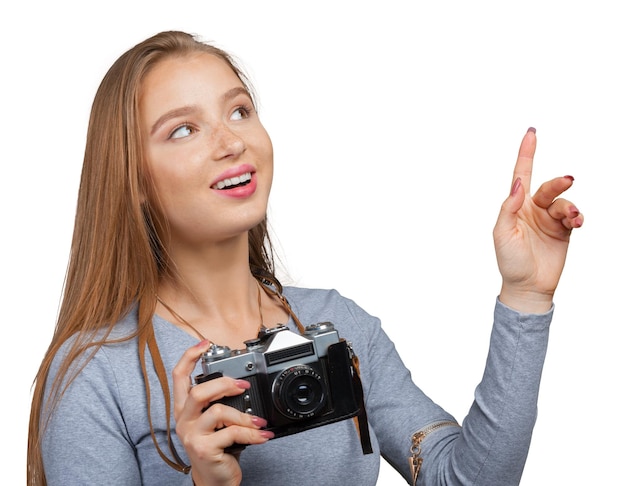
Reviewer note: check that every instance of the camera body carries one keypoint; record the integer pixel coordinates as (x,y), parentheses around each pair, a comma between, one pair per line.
(297,381)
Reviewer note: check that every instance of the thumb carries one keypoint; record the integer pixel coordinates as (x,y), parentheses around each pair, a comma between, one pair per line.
(184,368)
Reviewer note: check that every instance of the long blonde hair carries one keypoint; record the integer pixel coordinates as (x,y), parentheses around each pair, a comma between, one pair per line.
(116,256)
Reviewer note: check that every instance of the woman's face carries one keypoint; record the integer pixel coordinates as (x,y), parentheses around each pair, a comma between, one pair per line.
(209,156)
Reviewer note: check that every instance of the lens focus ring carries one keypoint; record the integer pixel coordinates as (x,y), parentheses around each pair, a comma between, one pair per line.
(299,392)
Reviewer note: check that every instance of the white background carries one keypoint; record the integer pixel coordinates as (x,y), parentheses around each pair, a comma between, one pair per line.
(395,132)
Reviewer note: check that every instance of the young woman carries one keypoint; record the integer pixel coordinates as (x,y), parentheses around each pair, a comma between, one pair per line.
(171,254)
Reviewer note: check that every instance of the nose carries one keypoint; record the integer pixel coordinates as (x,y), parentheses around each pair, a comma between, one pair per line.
(226,143)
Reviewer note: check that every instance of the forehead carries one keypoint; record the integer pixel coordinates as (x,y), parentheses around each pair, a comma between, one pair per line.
(186,79)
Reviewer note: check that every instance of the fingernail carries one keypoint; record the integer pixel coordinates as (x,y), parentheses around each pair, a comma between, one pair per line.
(532,129)
(259,421)
(571,178)
(267,434)
(243,384)
(573,211)
(203,344)
(516,185)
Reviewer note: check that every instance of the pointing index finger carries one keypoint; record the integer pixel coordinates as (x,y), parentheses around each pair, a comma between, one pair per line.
(524,165)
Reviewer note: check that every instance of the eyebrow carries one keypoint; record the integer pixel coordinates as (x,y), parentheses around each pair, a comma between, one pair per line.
(176,112)
(234,92)
(189,109)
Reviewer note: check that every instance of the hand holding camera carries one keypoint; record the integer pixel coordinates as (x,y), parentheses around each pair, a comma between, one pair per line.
(207,434)
(297,382)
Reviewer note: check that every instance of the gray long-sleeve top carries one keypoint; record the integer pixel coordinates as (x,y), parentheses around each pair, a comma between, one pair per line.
(99,434)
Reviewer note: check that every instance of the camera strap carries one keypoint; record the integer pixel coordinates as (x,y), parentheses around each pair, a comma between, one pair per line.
(146,339)
(360,420)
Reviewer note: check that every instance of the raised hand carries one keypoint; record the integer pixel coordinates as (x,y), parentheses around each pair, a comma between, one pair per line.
(206,434)
(531,235)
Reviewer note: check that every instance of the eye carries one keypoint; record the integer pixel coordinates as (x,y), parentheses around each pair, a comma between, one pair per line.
(241,112)
(182,131)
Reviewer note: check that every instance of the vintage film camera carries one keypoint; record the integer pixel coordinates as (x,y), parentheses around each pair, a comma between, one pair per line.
(298,381)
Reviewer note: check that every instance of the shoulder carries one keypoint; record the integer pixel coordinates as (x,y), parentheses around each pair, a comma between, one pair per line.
(309,300)
(88,374)
(319,305)
(101,350)
(312,296)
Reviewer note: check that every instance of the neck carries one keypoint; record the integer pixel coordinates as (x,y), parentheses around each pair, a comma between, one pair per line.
(214,291)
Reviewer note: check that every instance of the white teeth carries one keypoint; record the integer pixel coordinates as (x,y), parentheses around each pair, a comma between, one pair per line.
(233,181)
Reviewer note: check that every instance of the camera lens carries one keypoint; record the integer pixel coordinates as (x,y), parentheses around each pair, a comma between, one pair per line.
(299,392)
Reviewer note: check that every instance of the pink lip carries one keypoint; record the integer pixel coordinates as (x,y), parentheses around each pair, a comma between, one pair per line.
(237,192)
(233,172)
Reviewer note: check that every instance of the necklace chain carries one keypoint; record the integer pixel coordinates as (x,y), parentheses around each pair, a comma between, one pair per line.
(183,321)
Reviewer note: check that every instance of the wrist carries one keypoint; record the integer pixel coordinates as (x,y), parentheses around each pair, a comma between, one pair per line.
(526,301)
(200,480)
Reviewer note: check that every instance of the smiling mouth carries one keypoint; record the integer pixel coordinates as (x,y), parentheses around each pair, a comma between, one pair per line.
(233,182)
